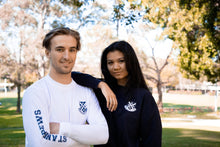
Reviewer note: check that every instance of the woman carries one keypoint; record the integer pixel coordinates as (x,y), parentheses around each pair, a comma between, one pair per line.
(136,121)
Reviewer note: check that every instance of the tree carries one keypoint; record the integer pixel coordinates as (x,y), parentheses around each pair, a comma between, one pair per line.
(157,68)
(194,27)
(9,13)
(79,13)
(132,15)
(25,20)
(89,57)
(210,30)
(125,13)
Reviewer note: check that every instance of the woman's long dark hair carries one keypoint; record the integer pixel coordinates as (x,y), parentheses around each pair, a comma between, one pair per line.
(135,75)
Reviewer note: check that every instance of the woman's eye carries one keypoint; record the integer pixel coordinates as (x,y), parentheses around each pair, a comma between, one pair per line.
(109,63)
(121,61)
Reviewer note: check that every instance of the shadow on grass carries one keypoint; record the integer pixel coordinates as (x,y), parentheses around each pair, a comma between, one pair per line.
(175,137)
(12,137)
(8,106)
(9,118)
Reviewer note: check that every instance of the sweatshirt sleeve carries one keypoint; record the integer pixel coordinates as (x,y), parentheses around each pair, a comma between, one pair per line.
(95,132)
(151,128)
(85,79)
(36,122)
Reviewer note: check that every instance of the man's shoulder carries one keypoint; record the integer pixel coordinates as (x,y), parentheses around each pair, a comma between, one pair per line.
(83,91)
(78,86)
(36,86)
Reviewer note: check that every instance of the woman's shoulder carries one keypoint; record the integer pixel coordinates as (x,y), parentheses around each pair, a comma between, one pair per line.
(142,91)
(143,94)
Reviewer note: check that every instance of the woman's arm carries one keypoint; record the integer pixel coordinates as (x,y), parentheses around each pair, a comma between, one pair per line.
(91,82)
(85,80)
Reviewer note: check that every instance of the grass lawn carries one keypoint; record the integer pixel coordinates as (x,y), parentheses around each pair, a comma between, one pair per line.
(12,133)
(190,138)
(183,111)
(11,125)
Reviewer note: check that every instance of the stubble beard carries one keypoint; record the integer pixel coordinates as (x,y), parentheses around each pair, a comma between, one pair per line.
(62,70)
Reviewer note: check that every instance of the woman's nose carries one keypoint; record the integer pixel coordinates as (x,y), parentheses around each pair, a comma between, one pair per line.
(116,66)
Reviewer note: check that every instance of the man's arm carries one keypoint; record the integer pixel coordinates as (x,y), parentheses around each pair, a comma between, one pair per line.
(95,132)
(36,122)
(91,82)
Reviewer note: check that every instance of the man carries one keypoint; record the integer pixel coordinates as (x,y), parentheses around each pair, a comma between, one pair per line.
(56,110)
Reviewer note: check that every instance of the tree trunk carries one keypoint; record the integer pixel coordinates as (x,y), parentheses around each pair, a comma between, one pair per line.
(19,99)
(160,95)
(19,93)
(117,27)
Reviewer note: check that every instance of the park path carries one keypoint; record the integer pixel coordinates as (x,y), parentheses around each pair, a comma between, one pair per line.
(199,124)
(195,100)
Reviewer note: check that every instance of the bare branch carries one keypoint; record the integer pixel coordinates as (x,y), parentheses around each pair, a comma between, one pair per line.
(154,80)
(166,61)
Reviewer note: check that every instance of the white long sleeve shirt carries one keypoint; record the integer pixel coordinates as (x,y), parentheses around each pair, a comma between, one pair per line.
(70,105)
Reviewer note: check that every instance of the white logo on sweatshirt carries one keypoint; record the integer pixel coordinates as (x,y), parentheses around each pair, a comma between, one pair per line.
(130,106)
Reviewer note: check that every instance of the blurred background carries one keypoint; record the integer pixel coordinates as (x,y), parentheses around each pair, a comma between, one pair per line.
(177,43)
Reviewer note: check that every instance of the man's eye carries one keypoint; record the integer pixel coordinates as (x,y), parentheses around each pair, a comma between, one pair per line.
(72,50)
(59,49)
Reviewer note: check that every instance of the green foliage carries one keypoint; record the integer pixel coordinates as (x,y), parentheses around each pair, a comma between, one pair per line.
(77,3)
(124,15)
(209,12)
(57,24)
(193,25)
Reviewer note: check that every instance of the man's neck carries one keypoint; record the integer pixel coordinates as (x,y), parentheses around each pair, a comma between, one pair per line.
(61,78)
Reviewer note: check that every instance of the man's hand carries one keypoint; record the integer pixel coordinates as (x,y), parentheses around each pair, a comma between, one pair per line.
(110,97)
(54,128)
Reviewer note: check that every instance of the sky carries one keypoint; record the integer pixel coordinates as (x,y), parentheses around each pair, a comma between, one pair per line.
(148,40)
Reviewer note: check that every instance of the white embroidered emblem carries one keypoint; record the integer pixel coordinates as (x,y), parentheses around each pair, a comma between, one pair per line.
(130,106)
(82,107)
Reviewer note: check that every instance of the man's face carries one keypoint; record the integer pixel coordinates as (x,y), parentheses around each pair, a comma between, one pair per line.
(62,54)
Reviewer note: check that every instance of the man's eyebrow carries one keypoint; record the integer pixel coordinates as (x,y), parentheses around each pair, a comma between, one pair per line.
(73,47)
(59,47)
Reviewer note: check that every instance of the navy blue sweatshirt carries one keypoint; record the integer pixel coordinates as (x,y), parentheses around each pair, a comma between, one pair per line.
(136,121)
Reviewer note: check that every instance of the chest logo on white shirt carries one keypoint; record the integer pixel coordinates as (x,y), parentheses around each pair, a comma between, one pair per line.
(131,106)
(82,107)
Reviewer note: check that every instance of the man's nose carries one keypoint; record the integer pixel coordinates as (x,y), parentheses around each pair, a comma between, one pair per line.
(66,54)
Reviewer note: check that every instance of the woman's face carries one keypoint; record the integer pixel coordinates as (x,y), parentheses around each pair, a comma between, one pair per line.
(117,67)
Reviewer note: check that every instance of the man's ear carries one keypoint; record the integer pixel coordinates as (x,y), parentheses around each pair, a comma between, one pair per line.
(47,52)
